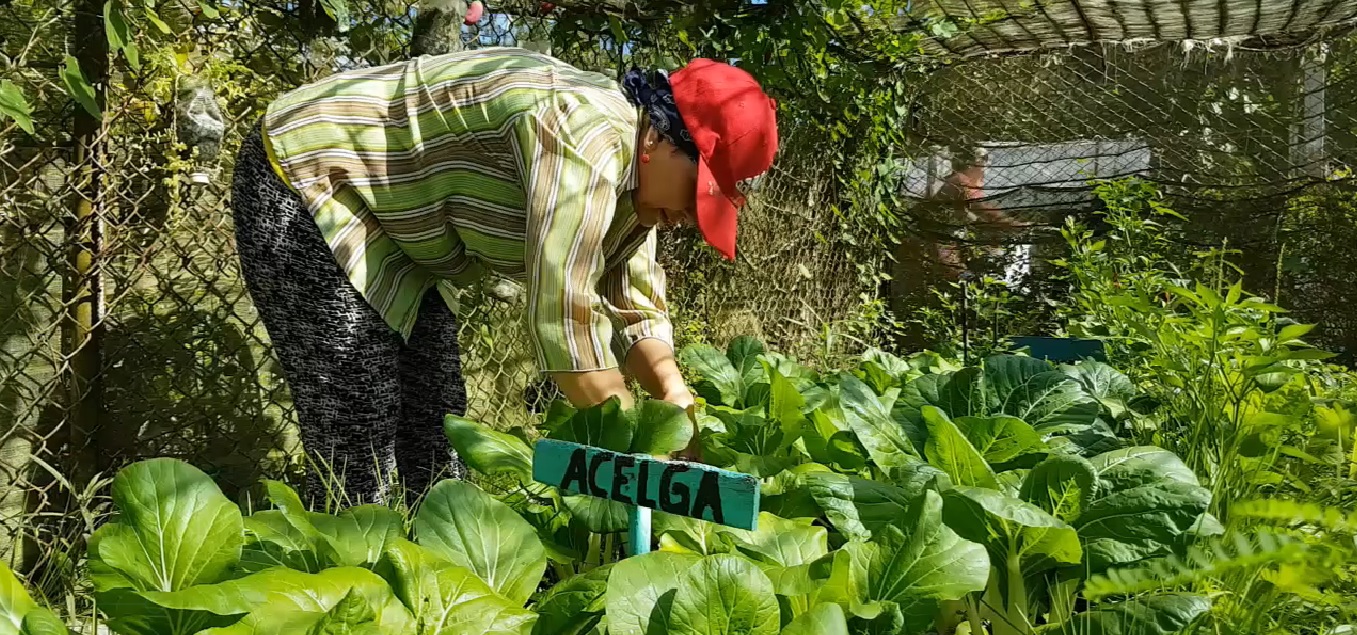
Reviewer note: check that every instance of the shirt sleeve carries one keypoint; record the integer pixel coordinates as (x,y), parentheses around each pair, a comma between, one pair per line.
(572,169)
(635,292)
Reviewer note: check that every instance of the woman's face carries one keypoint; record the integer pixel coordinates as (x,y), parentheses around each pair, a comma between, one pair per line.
(666,189)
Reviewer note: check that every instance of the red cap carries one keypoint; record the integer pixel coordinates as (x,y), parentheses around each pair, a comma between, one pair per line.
(734,125)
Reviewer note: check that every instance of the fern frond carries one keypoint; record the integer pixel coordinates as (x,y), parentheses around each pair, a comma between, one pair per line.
(1211,560)
(1291,512)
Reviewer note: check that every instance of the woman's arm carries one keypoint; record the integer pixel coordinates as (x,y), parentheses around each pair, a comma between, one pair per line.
(590,388)
(651,361)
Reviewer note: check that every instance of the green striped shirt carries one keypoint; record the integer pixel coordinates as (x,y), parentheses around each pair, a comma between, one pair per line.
(426,173)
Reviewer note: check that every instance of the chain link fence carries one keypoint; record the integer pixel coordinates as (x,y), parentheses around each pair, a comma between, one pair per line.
(1251,140)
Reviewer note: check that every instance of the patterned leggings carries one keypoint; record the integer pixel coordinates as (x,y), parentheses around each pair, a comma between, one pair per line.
(369,405)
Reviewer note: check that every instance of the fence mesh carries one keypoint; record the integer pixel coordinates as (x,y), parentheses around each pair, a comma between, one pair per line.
(126,332)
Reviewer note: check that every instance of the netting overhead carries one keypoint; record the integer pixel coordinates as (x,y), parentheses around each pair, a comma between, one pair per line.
(1027,26)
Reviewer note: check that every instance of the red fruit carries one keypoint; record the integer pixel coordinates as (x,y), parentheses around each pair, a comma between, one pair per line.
(473,12)
(547,7)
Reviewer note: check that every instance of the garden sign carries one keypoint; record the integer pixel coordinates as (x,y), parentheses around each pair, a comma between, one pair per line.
(646,483)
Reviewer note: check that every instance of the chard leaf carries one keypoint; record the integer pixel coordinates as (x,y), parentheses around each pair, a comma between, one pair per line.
(723,595)
(744,354)
(1034,391)
(908,569)
(825,618)
(785,407)
(661,428)
(785,550)
(1010,527)
(721,383)
(598,515)
(20,614)
(959,394)
(575,605)
(1062,485)
(335,601)
(869,417)
(950,451)
(1000,439)
(1135,466)
(857,507)
(473,530)
(641,592)
(1133,524)
(603,426)
(1163,614)
(1113,390)
(489,451)
(357,536)
(272,541)
(446,598)
(175,529)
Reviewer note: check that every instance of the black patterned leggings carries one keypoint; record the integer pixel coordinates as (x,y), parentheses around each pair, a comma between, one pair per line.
(366,402)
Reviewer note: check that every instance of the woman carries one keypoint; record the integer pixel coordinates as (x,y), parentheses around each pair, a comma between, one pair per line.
(369,193)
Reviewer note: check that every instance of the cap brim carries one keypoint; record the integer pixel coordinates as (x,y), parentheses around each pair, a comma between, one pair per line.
(716,212)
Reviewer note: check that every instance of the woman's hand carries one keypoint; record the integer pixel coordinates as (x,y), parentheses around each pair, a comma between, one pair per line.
(684,399)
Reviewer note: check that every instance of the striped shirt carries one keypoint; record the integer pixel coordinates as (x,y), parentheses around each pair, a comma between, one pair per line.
(428,172)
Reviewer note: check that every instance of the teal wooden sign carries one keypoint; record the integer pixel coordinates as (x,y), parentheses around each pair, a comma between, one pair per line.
(674,487)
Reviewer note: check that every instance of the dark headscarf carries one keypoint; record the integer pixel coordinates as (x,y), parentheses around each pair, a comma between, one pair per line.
(651,92)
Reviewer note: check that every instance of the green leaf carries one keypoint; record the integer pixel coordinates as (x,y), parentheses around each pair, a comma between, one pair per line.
(825,618)
(19,614)
(489,451)
(272,541)
(869,417)
(1000,439)
(574,605)
(661,428)
(1032,390)
(209,11)
(721,383)
(334,601)
(473,530)
(119,34)
(1010,527)
(641,592)
(598,515)
(1164,614)
(175,529)
(338,10)
(959,394)
(446,598)
(745,354)
(155,21)
(78,87)
(1128,525)
(785,406)
(785,550)
(603,426)
(313,592)
(1062,485)
(15,106)
(1107,385)
(357,536)
(1135,466)
(950,451)
(619,34)
(857,507)
(723,595)
(908,569)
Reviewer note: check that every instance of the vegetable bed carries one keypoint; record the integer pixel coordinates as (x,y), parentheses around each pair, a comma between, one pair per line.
(905,496)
